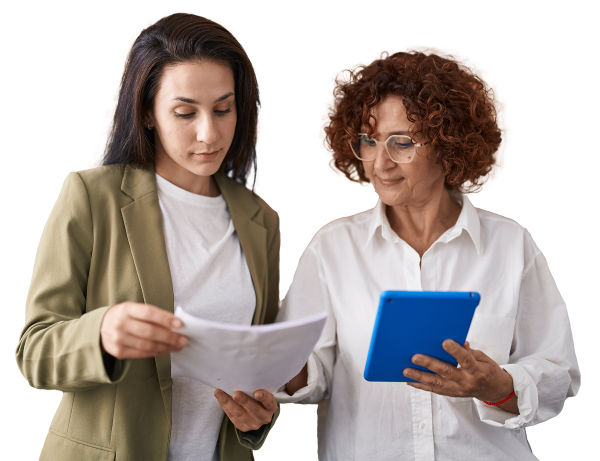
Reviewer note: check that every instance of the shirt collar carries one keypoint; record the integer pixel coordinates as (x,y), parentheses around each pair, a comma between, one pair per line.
(467,220)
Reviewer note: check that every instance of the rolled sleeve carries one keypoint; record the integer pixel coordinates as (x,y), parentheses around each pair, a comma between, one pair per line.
(542,361)
(527,395)
(308,295)
(306,392)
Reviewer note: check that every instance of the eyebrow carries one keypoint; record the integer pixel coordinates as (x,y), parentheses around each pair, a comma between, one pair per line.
(193,101)
(394,133)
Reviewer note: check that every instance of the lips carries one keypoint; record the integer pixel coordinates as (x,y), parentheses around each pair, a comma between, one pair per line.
(207,155)
(389,181)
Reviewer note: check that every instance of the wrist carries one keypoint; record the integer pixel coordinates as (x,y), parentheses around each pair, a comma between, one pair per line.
(297,382)
(503,392)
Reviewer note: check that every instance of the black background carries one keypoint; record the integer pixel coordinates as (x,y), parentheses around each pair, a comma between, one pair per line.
(70,76)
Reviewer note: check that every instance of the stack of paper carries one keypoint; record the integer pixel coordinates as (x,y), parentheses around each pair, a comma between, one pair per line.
(245,358)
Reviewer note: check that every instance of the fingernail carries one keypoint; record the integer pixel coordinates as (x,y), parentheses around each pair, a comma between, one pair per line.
(407,373)
(416,359)
(181,341)
(219,395)
(176,323)
(236,397)
(259,395)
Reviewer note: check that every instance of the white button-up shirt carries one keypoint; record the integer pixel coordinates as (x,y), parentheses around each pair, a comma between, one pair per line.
(521,323)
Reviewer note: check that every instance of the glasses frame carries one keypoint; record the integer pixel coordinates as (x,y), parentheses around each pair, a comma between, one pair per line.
(415,145)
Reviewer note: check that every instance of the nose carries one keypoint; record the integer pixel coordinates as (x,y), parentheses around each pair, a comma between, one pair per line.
(206,130)
(382,160)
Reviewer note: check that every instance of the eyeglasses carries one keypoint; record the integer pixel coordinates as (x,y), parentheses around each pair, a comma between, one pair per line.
(400,148)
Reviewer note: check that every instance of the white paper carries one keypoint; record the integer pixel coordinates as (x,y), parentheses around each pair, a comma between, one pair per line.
(245,358)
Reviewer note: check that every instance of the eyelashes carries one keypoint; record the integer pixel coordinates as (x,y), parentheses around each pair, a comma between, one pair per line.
(219,113)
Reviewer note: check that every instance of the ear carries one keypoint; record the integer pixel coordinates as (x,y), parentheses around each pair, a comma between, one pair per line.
(149,120)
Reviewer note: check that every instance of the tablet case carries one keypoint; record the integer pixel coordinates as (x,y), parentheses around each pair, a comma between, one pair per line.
(416,322)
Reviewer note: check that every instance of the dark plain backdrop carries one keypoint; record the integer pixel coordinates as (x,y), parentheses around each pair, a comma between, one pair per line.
(67,85)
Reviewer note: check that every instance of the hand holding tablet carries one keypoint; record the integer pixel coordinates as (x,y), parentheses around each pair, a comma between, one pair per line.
(416,322)
(417,339)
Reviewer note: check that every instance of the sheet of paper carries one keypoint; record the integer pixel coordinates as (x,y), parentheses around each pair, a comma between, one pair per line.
(246,358)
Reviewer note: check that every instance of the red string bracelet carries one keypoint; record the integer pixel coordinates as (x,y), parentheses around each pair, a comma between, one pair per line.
(502,401)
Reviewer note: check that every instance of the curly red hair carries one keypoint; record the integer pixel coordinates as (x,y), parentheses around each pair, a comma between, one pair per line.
(447,103)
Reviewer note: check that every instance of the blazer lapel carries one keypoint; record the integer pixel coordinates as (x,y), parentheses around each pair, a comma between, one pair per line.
(143,224)
(251,234)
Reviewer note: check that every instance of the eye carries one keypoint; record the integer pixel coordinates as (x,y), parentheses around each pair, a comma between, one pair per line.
(220,113)
(368,142)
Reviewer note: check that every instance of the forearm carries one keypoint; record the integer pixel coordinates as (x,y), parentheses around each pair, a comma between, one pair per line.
(65,355)
(298,382)
(511,405)
(505,390)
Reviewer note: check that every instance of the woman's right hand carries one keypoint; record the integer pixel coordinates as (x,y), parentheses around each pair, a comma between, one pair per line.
(135,331)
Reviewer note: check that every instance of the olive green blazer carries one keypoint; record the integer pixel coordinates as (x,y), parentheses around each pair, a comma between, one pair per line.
(103,244)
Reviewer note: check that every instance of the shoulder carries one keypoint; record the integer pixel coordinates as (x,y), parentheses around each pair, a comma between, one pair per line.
(242,192)
(496,222)
(344,231)
(101,179)
(506,234)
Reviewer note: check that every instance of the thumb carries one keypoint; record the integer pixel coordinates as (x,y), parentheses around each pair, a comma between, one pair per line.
(480,356)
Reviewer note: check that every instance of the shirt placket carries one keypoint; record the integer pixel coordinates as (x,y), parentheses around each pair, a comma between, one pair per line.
(422,413)
(422,424)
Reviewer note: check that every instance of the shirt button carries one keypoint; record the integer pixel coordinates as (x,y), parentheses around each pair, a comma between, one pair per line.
(422,426)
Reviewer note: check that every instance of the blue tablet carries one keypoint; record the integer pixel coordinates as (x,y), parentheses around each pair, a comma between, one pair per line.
(416,322)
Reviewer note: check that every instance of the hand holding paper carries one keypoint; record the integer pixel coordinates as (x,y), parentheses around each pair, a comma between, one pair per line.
(245,358)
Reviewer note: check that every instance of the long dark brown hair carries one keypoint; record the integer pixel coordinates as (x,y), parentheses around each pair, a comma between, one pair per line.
(176,39)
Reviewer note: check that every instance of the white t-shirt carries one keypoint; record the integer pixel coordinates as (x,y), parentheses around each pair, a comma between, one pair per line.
(521,323)
(211,280)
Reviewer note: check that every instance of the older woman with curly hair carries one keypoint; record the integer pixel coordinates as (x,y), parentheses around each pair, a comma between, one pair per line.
(422,129)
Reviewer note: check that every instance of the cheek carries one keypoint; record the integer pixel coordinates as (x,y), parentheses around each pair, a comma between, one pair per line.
(229,128)
(368,167)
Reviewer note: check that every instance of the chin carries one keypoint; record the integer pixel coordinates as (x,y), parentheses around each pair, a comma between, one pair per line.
(207,169)
(391,198)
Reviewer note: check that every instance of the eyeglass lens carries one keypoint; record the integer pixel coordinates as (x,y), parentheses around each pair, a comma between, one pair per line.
(400,148)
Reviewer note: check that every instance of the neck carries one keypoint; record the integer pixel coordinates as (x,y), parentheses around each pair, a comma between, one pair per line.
(420,223)
(166,168)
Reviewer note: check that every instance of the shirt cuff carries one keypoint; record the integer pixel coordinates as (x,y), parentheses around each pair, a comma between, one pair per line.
(313,377)
(527,395)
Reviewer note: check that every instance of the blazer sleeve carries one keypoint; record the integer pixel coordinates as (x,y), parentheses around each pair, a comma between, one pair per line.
(59,347)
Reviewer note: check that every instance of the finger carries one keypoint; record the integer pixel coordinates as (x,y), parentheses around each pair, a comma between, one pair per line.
(146,345)
(432,382)
(443,369)
(123,353)
(463,356)
(480,356)
(155,333)
(266,399)
(241,414)
(238,415)
(153,314)
(257,415)
(429,388)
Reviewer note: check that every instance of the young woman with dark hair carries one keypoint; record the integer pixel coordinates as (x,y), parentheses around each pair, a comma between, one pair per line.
(167,220)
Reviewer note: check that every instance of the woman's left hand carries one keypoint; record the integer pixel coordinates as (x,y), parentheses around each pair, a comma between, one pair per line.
(478,376)
(246,413)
